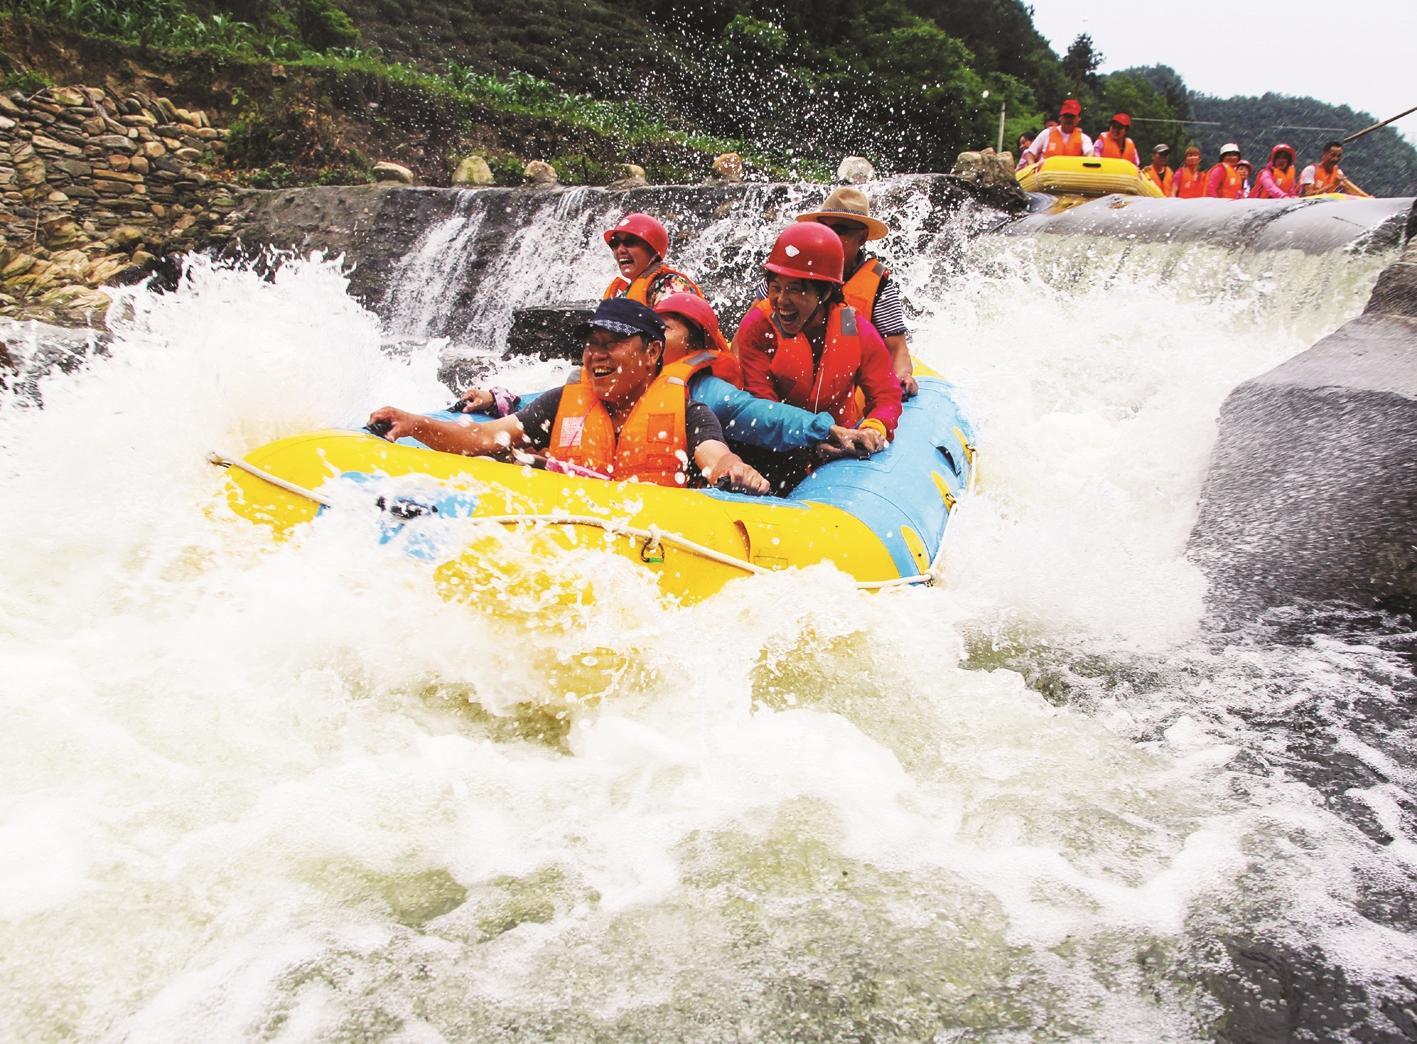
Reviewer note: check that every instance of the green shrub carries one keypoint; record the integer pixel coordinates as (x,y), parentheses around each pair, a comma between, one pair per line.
(27,81)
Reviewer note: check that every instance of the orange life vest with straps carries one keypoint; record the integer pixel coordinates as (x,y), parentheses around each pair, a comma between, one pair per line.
(639,288)
(826,384)
(1162,180)
(1232,185)
(1188,185)
(1283,180)
(1325,182)
(653,445)
(1111,150)
(861,289)
(1060,144)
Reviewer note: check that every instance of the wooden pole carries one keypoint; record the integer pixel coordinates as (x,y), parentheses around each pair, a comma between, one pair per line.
(1000,147)
(1369,130)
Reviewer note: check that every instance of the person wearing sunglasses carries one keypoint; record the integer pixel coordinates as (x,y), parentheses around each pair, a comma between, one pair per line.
(639,244)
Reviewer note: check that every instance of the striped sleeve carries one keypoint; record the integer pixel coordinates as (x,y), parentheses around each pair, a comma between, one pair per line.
(888,314)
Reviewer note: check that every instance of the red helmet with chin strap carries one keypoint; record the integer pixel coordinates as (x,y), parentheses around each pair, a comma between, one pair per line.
(699,312)
(644,227)
(808,250)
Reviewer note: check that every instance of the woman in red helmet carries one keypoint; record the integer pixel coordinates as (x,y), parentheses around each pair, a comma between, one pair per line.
(690,325)
(803,344)
(639,244)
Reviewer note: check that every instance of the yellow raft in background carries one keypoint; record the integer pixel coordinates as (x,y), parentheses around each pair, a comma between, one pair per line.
(1086,176)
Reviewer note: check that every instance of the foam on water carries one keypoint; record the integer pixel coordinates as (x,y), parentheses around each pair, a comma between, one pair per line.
(256,791)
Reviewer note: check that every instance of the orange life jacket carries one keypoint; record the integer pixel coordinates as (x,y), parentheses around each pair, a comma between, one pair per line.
(1232,186)
(829,384)
(1111,150)
(1188,185)
(653,445)
(861,289)
(1283,180)
(639,288)
(1162,180)
(1326,182)
(1060,144)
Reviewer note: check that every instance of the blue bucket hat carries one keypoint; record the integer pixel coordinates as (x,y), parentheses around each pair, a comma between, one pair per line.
(622,316)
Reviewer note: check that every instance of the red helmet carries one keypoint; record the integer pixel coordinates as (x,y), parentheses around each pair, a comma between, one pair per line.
(642,226)
(1070,106)
(699,312)
(1123,119)
(807,250)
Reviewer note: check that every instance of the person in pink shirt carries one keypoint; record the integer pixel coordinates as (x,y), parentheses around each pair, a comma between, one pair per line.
(1225,180)
(1244,167)
(1276,178)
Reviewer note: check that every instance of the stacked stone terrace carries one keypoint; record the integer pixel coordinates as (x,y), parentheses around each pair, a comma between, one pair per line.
(94,189)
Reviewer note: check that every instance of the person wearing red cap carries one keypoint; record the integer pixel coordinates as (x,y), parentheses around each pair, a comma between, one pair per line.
(640,244)
(1066,139)
(804,345)
(1114,143)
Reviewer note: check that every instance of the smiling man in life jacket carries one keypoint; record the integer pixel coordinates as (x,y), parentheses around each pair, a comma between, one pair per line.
(1190,179)
(1226,180)
(1115,143)
(628,419)
(1066,139)
(805,345)
(1323,177)
(639,244)
(1158,172)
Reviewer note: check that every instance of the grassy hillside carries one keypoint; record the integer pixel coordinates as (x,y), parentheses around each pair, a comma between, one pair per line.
(318,89)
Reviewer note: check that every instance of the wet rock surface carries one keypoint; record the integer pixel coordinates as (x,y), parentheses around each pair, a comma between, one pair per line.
(1314,226)
(1312,490)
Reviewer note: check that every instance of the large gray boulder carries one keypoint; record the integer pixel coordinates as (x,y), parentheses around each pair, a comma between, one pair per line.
(1312,490)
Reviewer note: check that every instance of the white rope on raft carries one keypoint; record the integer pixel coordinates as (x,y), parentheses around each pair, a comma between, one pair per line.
(653,536)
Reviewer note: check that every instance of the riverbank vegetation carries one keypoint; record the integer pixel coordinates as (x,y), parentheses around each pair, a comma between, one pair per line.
(317,89)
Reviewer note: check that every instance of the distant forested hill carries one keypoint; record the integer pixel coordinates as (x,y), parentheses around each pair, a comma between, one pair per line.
(793,85)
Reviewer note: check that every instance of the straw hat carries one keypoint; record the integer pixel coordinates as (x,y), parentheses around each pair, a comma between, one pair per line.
(850,204)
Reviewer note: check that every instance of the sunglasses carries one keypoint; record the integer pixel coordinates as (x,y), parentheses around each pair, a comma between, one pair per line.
(844,226)
(618,241)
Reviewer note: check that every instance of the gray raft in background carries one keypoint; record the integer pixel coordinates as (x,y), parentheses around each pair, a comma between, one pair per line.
(1312,489)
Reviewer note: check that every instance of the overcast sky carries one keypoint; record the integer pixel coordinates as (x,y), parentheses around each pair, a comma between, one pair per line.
(1364,54)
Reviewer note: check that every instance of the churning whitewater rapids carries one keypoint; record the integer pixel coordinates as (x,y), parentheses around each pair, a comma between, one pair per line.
(288,793)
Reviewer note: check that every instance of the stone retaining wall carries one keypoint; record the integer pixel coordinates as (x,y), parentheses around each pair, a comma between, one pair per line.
(95,189)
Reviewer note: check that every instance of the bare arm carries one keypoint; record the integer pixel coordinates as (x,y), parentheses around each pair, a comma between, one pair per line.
(901,362)
(719,463)
(469,438)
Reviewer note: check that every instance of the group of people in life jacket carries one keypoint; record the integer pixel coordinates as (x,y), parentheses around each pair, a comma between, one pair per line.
(818,369)
(1232,177)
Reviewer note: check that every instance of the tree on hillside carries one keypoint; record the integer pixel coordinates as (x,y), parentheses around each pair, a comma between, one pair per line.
(1081,62)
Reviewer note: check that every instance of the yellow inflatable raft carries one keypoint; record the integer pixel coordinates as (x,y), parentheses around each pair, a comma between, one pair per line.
(881,520)
(1086,176)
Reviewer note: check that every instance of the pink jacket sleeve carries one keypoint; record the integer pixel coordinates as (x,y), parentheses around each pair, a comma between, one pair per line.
(1213,179)
(877,378)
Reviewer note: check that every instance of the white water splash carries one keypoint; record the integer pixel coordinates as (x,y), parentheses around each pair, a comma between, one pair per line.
(249,791)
